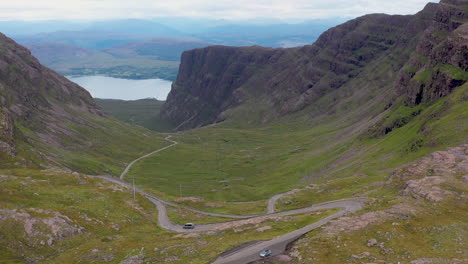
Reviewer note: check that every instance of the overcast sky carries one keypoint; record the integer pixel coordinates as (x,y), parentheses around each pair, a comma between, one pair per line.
(219,9)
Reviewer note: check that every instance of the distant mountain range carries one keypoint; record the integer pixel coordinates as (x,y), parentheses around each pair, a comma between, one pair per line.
(142,49)
(167,49)
(133,60)
(233,33)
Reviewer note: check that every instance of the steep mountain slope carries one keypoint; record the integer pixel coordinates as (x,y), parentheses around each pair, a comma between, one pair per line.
(48,120)
(346,67)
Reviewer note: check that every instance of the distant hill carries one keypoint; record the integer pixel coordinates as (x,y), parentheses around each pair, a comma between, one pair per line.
(133,26)
(68,59)
(159,49)
(109,33)
(142,49)
(270,35)
(84,39)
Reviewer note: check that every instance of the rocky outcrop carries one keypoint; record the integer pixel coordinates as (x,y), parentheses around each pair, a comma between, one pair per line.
(430,176)
(216,83)
(41,231)
(440,61)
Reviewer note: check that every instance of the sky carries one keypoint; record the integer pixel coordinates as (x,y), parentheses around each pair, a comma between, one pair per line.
(214,9)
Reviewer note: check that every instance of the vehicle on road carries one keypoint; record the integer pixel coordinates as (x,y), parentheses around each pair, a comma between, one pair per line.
(189,226)
(265,253)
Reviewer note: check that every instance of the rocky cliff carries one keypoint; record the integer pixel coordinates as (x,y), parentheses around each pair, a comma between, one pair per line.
(210,81)
(440,61)
(35,98)
(361,60)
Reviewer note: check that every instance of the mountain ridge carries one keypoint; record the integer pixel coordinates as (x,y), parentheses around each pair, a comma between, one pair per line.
(291,80)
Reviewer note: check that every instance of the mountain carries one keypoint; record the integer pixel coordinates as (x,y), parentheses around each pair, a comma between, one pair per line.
(156,58)
(50,54)
(132,26)
(47,120)
(107,33)
(268,35)
(372,118)
(378,57)
(84,39)
(18,27)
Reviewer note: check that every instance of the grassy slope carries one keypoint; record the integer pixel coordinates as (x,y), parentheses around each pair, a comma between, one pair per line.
(116,227)
(431,230)
(144,112)
(93,145)
(225,163)
(436,127)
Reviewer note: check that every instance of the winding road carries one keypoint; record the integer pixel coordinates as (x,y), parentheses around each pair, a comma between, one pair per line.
(250,253)
(173,143)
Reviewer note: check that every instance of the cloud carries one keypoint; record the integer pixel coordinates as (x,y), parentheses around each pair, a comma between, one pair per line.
(218,9)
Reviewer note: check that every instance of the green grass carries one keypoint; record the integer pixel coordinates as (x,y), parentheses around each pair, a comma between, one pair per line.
(181,216)
(423,76)
(434,230)
(115,226)
(224,163)
(227,164)
(237,208)
(143,112)
(454,72)
(88,144)
(77,197)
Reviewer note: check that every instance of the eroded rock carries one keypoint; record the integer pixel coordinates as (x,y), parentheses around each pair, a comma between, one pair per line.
(47,228)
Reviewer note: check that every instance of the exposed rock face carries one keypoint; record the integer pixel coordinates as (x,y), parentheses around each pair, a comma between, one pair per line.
(441,55)
(428,188)
(371,50)
(35,96)
(6,134)
(41,231)
(435,172)
(210,80)
(138,259)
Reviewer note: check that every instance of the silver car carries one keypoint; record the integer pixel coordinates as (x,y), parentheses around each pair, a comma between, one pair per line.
(265,253)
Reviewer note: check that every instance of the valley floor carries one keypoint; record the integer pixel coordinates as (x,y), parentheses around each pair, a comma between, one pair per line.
(53,216)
